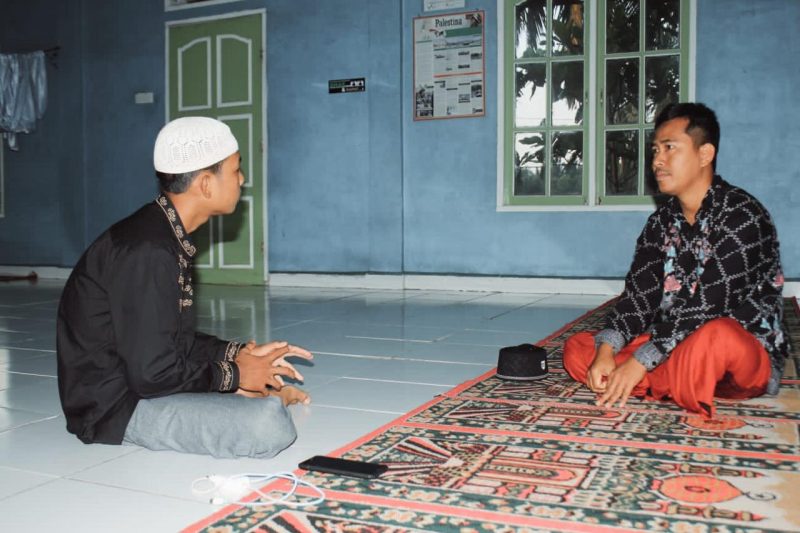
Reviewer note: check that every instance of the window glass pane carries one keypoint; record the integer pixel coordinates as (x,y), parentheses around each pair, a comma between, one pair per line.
(662,83)
(567,27)
(622,163)
(650,186)
(529,169)
(662,27)
(567,166)
(622,91)
(567,90)
(622,26)
(530,108)
(531,29)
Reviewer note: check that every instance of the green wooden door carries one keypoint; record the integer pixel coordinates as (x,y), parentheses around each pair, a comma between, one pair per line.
(216,69)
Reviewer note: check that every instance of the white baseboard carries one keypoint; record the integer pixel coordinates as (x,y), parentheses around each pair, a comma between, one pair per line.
(448,283)
(434,282)
(428,282)
(338,281)
(792,288)
(515,284)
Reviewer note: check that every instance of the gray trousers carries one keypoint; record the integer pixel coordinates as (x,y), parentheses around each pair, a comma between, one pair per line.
(222,425)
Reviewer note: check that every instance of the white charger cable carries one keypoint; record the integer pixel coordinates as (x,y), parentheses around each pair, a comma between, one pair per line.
(231,489)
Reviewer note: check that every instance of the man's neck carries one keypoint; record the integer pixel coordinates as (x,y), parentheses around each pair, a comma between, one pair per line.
(692,199)
(191,217)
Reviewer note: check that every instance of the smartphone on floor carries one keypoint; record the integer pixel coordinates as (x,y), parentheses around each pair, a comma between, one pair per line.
(344,467)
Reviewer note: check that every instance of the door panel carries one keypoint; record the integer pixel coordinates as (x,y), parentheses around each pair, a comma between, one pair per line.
(234,72)
(216,69)
(196,57)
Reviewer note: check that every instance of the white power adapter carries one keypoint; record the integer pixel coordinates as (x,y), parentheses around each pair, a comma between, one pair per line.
(219,490)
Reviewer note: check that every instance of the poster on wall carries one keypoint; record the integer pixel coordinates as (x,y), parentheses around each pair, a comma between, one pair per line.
(449,66)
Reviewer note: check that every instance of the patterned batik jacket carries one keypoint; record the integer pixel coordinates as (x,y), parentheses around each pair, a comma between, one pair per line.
(726,264)
(125,327)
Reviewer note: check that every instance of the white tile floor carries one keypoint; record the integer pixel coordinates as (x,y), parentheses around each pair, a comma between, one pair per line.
(378,354)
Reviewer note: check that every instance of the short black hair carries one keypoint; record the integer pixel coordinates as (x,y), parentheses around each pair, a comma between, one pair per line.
(703,126)
(178,183)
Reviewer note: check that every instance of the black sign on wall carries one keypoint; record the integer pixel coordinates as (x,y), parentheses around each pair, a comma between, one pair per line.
(352,85)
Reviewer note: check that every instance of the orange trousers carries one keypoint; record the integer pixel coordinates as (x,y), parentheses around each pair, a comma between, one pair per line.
(720,359)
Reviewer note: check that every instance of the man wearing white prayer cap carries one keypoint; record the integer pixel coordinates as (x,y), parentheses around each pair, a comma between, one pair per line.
(131,367)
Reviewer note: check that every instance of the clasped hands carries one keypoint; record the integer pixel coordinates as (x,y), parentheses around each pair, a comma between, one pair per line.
(613,382)
(262,367)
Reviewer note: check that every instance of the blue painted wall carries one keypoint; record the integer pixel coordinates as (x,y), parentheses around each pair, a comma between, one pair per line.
(747,70)
(45,209)
(355,185)
(335,179)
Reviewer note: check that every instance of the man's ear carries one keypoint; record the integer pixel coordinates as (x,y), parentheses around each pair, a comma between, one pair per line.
(707,153)
(204,184)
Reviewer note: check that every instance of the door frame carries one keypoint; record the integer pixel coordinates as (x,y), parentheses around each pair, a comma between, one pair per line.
(265,148)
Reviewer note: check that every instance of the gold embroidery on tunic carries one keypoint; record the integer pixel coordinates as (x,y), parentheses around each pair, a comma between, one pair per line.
(185,284)
(232,350)
(227,376)
(180,233)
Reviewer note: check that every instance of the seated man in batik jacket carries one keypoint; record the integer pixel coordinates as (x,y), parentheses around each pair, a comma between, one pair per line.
(131,367)
(701,312)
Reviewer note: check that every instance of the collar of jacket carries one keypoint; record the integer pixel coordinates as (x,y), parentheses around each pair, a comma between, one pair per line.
(707,206)
(177,226)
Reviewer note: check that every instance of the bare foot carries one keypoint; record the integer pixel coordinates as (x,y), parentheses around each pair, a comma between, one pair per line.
(291,395)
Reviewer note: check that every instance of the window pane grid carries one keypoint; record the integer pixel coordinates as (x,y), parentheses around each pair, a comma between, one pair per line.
(556,137)
(553,148)
(650,186)
(547,143)
(647,53)
(647,105)
(640,159)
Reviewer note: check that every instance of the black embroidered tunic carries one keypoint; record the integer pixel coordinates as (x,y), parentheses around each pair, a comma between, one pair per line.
(726,264)
(125,326)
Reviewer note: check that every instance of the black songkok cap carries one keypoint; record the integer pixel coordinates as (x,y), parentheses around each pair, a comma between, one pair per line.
(522,363)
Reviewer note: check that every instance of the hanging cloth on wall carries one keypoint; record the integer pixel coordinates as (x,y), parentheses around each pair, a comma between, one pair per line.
(23,93)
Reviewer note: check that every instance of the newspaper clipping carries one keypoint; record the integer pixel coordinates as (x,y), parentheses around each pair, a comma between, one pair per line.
(449,66)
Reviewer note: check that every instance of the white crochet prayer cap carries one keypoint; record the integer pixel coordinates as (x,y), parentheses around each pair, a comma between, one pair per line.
(192,143)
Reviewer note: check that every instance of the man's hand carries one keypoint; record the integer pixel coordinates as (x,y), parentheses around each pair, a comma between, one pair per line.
(261,366)
(621,382)
(602,366)
(289,395)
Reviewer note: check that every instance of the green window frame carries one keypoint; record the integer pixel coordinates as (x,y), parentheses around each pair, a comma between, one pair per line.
(635,61)
(547,146)
(2,178)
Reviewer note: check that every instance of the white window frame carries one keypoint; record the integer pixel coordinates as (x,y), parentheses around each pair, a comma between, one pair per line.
(590,159)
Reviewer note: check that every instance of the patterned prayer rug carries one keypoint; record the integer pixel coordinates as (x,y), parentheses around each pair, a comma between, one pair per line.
(498,456)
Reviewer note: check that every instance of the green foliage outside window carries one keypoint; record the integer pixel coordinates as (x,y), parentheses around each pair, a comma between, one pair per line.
(641,53)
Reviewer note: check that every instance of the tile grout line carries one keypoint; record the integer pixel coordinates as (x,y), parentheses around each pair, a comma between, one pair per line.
(29,489)
(399,381)
(328,406)
(398,358)
(28,374)
(27,349)
(26,424)
(419,341)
